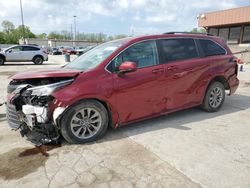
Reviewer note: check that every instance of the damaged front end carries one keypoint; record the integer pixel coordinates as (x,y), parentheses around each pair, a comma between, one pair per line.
(32,109)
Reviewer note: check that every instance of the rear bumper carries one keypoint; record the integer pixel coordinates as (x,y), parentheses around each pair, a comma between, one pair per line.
(233,82)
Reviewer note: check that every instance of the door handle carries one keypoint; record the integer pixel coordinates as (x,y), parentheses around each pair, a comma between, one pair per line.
(172,68)
(157,70)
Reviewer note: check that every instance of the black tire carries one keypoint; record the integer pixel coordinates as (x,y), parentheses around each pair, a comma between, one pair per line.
(214,98)
(67,129)
(38,60)
(2,60)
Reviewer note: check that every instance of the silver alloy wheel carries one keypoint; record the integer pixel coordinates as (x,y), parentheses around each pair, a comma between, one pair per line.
(38,60)
(216,97)
(85,123)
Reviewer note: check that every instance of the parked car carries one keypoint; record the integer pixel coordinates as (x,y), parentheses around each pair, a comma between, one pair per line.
(61,48)
(121,82)
(69,50)
(83,50)
(24,53)
(55,51)
(79,50)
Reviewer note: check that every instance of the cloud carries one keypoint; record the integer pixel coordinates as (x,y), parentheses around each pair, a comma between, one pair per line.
(117,16)
(161,18)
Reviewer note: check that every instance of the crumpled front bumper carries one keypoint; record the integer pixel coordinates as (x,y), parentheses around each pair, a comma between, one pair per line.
(33,122)
(13,118)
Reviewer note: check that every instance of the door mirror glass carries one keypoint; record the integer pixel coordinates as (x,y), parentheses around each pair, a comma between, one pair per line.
(127,66)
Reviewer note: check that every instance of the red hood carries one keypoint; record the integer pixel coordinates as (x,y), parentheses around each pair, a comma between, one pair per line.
(46,73)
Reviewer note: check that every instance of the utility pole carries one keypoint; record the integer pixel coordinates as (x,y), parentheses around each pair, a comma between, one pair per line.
(71,32)
(75,26)
(21,7)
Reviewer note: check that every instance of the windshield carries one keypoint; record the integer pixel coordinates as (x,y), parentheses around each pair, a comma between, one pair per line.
(95,56)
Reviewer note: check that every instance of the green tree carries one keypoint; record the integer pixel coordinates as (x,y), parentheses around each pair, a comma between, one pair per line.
(11,35)
(198,30)
(55,35)
(41,36)
(66,34)
(7,26)
(120,36)
(2,38)
(20,31)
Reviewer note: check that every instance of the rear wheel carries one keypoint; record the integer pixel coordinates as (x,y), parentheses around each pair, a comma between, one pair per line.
(214,97)
(38,60)
(85,122)
(2,61)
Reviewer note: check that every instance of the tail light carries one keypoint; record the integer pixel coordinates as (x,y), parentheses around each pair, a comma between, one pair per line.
(45,52)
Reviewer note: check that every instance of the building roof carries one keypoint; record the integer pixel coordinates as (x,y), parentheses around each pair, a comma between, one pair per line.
(225,17)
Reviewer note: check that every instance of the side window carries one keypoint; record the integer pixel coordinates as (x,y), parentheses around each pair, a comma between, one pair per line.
(177,49)
(210,48)
(30,48)
(144,54)
(16,49)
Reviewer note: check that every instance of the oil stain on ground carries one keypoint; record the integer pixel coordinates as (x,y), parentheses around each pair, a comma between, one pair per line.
(20,162)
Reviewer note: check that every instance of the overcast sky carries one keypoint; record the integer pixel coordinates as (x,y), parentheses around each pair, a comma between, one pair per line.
(112,17)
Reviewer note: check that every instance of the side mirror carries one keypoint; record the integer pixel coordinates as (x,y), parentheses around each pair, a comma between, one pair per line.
(127,66)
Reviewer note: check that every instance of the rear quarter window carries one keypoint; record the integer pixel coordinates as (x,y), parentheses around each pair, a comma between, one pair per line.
(211,48)
(30,48)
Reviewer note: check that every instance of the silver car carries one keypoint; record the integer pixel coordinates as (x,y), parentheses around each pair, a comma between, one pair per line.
(24,53)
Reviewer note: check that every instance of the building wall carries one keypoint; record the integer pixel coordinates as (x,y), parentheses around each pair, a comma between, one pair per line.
(232,24)
(54,43)
(225,17)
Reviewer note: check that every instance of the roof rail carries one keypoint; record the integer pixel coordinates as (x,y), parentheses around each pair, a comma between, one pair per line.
(179,32)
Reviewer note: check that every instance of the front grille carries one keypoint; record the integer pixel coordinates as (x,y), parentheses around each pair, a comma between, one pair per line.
(12,117)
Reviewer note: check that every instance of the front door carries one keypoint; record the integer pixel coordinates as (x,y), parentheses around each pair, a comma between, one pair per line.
(141,93)
(14,54)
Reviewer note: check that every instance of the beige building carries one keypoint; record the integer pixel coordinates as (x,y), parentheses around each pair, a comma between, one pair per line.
(232,24)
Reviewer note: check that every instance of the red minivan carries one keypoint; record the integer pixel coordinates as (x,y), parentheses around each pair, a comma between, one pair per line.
(121,82)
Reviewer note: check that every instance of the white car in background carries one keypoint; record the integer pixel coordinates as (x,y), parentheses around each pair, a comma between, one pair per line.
(24,53)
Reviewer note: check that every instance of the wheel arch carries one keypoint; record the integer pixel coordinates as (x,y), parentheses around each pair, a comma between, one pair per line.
(104,103)
(220,79)
(37,55)
(3,56)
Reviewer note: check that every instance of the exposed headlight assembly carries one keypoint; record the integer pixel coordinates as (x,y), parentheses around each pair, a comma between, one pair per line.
(46,90)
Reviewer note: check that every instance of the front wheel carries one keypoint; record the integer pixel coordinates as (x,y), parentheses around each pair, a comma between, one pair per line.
(85,122)
(214,97)
(38,60)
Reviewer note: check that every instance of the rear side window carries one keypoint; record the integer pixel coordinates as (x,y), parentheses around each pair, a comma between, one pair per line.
(30,48)
(211,48)
(177,49)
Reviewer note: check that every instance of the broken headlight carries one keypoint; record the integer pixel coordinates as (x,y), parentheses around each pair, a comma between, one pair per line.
(46,90)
